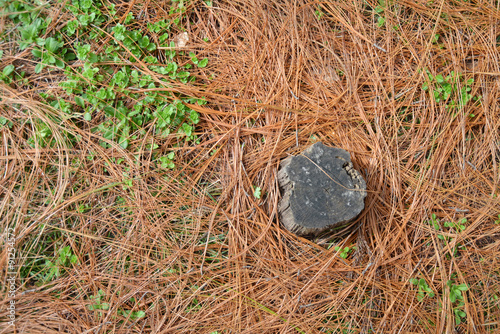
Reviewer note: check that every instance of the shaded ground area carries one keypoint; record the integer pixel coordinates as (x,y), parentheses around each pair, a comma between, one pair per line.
(111,239)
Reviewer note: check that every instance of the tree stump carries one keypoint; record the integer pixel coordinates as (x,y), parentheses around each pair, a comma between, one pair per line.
(320,190)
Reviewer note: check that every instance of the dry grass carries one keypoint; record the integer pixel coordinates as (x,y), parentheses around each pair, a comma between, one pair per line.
(198,253)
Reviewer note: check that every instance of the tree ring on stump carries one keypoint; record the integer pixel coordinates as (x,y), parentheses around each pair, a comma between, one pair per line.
(320,190)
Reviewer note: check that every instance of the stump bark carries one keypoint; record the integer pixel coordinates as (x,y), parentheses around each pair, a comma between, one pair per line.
(320,190)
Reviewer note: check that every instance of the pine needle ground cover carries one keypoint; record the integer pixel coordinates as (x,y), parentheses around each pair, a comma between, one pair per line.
(139,147)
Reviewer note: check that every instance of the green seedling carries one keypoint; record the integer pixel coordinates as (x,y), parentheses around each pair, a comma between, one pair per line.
(344,252)
(423,288)
(21,12)
(82,208)
(457,227)
(257,192)
(127,182)
(379,10)
(42,136)
(460,315)
(6,74)
(435,38)
(167,161)
(453,90)
(456,290)
(132,315)
(30,33)
(56,268)
(446,228)
(456,297)
(97,303)
(159,27)
(380,22)
(199,63)
(178,7)
(50,52)
(4,122)
(319,12)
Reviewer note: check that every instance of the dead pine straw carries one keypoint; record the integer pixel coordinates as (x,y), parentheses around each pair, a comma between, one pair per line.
(197,252)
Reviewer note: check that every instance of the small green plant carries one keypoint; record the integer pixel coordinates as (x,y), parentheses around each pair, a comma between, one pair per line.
(82,208)
(452,89)
(456,227)
(319,12)
(56,268)
(42,135)
(50,52)
(435,38)
(5,75)
(30,33)
(167,161)
(456,290)
(4,122)
(97,303)
(498,220)
(127,181)
(20,12)
(132,315)
(177,10)
(257,192)
(199,63)
(159,27)
(423,288)
(446,230)
(379,10)
(344,252)
(456,298)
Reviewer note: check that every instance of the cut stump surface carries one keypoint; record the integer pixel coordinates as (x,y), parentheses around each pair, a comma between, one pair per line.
(320,190)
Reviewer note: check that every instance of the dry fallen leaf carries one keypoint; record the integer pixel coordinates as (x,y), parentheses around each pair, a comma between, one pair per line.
(181,39)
